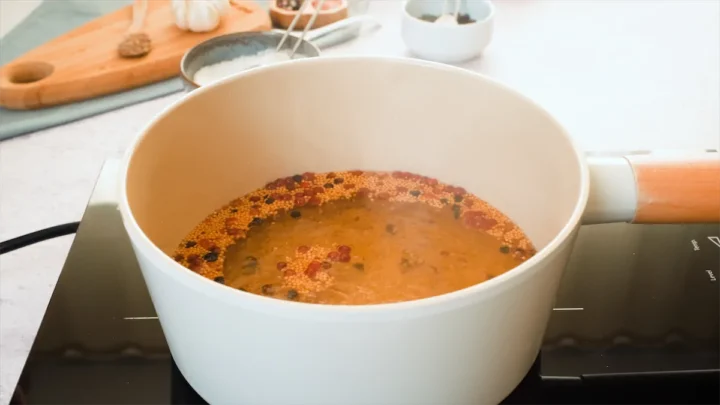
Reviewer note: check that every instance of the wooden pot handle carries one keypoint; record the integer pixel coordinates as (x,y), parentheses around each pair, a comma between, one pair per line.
(677,189)
(655,188)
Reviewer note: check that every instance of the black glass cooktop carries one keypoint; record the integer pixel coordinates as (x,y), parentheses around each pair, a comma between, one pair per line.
(637,320)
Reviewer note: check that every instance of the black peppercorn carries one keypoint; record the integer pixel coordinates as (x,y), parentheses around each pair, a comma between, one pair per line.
(456,211)
(504,249)
(415,193)
(464,19)
(458,198)
(298,178)
(338,180)
(444,201)
(359,266)
(391,229)
(219,279)
(234,210)
(256,221)
(190,244)
(329,185)
(269,200)
(295,214)
(210,257)
(292,294)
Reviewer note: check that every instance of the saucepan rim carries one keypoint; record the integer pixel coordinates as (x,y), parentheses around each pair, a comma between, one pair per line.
(165,263)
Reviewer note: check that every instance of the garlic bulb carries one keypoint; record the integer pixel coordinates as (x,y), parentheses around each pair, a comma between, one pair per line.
(199,15)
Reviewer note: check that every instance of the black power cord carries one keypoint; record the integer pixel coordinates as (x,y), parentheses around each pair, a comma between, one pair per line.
(38,236)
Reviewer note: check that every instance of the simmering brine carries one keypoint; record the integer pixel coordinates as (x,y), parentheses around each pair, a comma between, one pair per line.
(354,238)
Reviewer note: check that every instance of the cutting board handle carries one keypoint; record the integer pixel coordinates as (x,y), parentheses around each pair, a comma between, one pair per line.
(84,63)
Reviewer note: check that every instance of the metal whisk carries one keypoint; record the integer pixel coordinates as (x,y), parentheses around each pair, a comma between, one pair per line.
(295,21)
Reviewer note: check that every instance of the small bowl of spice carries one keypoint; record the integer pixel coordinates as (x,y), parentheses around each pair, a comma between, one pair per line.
(429,35)
(282,12)
(226,55)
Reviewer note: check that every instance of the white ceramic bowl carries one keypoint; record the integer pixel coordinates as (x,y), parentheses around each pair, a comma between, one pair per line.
(447,43)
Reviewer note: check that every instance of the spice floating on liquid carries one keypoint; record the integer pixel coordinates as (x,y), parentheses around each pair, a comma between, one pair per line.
(309,271)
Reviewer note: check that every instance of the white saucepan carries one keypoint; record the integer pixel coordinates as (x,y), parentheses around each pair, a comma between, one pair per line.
(328,114)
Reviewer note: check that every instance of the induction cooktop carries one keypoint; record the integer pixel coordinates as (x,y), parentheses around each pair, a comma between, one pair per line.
(636,320)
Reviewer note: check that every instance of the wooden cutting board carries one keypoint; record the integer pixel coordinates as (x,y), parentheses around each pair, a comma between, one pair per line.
(84,63)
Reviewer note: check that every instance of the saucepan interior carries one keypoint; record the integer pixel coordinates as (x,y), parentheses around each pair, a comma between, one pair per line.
(367,113)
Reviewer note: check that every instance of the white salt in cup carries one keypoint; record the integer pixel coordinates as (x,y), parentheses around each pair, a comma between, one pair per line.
(223,53)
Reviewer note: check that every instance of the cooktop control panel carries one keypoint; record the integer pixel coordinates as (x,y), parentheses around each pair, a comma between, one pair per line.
(637,299)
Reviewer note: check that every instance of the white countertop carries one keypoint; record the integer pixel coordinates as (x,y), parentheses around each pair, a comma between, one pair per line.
(620,75)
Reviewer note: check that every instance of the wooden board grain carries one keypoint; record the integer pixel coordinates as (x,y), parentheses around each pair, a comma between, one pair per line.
(84,63)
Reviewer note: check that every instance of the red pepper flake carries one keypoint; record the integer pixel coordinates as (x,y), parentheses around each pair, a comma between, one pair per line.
(302,249)
(398,175)
(314,201)
(401,189)
(206,244)
(290,187)
(286,197)
(289,273)
(356,172)
(344,249)
(233,231)
(468,202)
(232,222)
(383,196)
(299,200)
(281,265)
(178,257)
(313,268)
(326,265)
(236,202)
(256,206)
(344,257)
(308,176)
(276,196)
(330,175)
(478,220)
(363,192)
(348,186)
(430,181)
(305,184)
(194,259)
(254,211)
(334,256)
(254,199)
(318,190)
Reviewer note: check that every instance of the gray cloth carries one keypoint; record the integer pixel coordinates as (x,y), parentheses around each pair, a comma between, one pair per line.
(50,20)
